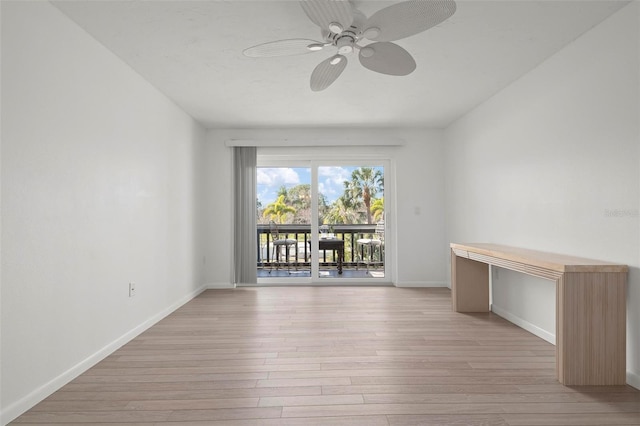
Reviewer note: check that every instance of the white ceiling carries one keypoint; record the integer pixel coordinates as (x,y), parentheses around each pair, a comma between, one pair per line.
(192,52)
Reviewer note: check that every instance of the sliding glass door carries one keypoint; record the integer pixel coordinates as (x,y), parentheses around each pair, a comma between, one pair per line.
(320,222)
(351,221)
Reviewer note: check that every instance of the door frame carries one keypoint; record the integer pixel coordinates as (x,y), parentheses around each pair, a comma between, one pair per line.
(359,158)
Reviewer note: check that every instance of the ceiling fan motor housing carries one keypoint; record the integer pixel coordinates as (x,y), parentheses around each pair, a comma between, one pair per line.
(345,43)
(347,38)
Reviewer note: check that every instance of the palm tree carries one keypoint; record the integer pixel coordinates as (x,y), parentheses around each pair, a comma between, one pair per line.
(343,210)
(284,192)
(364,185)
(278,210)
(377,209)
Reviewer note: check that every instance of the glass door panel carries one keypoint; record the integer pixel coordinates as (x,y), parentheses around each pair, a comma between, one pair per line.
(351,222)
(284,221)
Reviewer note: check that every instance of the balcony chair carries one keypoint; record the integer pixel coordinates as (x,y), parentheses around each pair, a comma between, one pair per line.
(366,248)
(278,243)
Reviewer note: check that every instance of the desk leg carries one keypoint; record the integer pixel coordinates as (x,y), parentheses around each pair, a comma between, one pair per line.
(469,285)
(591,328)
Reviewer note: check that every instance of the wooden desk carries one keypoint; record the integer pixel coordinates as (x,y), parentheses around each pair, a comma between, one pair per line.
(333,244)
(590,305)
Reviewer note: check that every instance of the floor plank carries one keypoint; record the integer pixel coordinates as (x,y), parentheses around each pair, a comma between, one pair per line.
(374,356)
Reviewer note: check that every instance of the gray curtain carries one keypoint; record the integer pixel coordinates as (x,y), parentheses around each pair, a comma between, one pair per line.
(245,245)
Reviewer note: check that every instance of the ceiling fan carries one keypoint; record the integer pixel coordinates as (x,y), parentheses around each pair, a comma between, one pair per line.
(348,30)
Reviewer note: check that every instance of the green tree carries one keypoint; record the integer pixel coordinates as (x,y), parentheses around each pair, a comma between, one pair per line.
(364,185)
(344,210)
(323,207)
(300,196)
(284,192)
(258,209)
(278,210)
(377,209)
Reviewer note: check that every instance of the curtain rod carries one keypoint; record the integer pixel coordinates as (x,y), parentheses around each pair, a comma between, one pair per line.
(315,142)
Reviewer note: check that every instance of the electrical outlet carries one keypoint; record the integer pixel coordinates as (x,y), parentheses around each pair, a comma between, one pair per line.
(132,289)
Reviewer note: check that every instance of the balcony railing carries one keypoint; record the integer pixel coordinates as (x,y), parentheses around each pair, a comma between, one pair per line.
(302,234)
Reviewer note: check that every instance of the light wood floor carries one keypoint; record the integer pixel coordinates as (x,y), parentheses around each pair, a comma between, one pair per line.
(332,356)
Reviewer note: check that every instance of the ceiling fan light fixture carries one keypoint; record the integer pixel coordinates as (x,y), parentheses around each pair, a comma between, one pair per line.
(314,47)
(367,52)
(336,60)
(336,27)
(371,33)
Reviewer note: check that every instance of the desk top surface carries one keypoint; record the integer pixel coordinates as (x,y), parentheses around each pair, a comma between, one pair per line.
(553,261)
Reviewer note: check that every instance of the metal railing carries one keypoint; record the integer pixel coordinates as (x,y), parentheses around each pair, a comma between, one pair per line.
(302,234)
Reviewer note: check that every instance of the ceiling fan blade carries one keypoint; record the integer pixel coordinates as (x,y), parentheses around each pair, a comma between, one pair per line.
(407,18)
(323,13)
(327,72)
(290,47)
(387,58)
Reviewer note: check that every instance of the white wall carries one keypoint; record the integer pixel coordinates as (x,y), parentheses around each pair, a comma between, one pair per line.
(419,194)
(551,163)
(100,187)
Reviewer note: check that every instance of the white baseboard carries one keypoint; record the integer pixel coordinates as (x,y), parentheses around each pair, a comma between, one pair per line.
(21,406)
(276,282)
(421,284)
(531,328)
(633,380)
(220,285)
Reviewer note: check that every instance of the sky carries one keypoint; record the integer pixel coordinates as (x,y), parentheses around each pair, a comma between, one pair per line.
(330,180)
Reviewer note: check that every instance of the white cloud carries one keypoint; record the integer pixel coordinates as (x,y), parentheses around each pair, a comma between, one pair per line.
(277,176)
(265,194)
(333,184)
(335,173)
(322,188)
(329,189)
